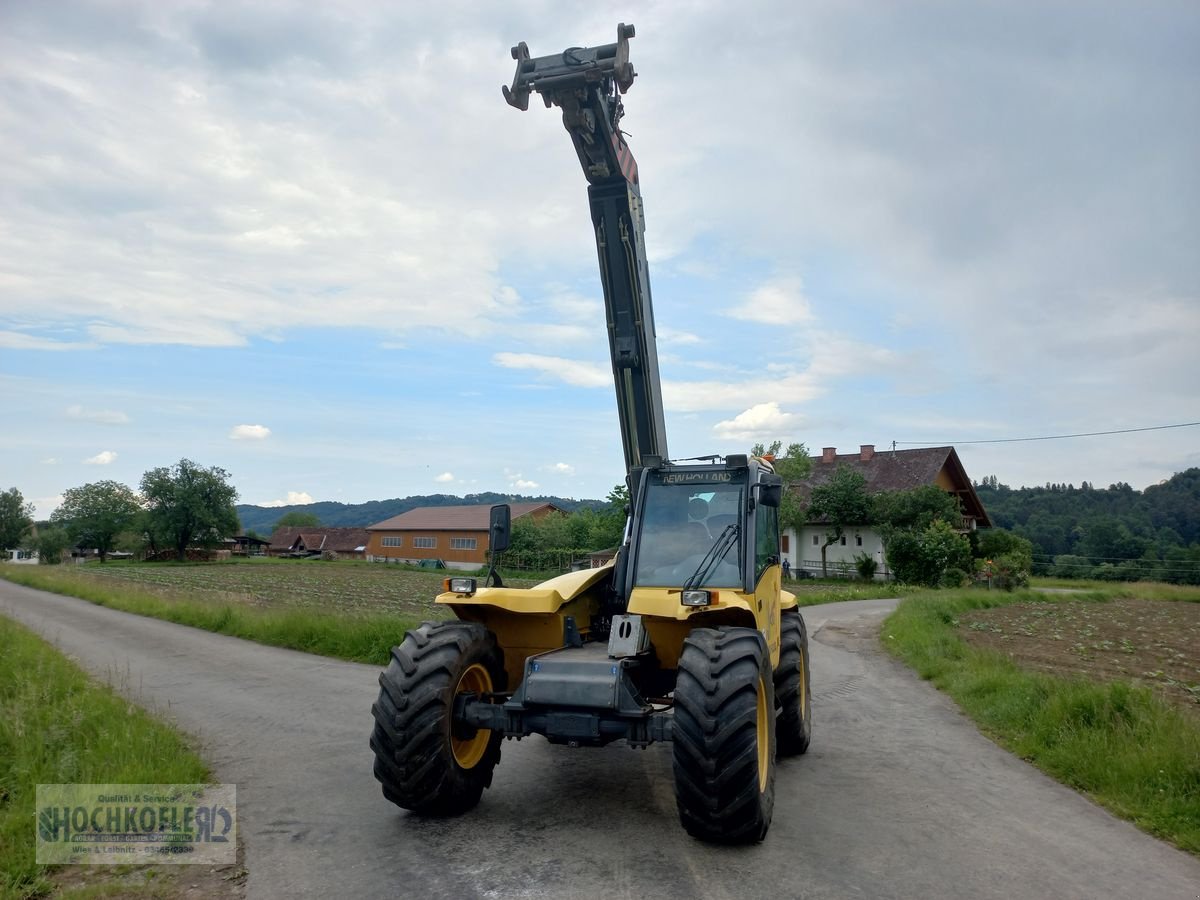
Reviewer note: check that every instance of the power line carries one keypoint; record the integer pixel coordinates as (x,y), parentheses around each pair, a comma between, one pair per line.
(1111,558)
(1051,437)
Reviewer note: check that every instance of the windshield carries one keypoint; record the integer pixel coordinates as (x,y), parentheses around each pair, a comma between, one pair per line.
(681,523)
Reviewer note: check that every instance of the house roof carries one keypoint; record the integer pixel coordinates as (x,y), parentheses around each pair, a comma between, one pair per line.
(246,539)
(453,518)
(899,470)
(339,540)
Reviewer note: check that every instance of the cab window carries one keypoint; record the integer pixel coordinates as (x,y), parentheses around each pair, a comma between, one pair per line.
(766,538)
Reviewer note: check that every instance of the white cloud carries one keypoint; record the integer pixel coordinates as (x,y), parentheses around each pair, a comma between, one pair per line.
(294,498)
(572,371)
(103,458)
(668,336)
(554,334)
(15,340)
(254,220)
(827,356)
(444,478)
(760,422)
(50,461)
(778,302)
(104,416)
(571,305)
(44,506)
(563,468)
(518,482)
(249,433)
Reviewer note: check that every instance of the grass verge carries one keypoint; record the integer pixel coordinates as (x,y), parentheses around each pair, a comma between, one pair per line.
(1146,590)
(58,727)
(838,590)
(1116,742)
(366,639)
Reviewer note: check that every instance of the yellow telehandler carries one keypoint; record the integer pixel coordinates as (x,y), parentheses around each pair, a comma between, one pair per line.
(686,636)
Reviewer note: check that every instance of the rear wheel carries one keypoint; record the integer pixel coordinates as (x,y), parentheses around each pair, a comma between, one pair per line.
(793,693)
(724,736)
(424,761)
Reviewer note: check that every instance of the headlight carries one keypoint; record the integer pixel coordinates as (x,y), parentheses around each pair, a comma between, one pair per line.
(459,585)
(698,598)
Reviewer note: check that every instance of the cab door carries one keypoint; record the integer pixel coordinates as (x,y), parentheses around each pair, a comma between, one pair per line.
(767,576)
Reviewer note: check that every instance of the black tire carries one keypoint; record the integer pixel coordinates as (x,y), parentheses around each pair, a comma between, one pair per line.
(793,690)
(423,762)
(724,706)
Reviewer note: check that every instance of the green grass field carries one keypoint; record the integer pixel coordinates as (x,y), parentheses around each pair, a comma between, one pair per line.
(58,727)
(1115,741)
(1145,590)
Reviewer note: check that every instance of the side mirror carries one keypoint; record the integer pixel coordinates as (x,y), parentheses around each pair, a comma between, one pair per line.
(770,494)
(500,528)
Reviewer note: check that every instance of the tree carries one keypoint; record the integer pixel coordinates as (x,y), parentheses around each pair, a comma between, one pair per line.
(841,501)
(1106,539)
(96,513)
(188,504)
(50,544)
(916,508)
(793,465)
(16,518)
(618,500)
(298,519)
(925,556)
(996,542)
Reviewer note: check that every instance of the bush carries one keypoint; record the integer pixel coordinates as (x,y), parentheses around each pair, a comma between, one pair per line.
(1006,572)
(866,566)
(923,556)
(50,544)
(995,543)
(954,578)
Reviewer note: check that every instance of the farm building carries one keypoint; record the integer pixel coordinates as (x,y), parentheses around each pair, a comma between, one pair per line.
(247,545)
(313,540)
(890,470)
(456,535)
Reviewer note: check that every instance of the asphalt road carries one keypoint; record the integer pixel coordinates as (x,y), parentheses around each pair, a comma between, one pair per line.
(899,795)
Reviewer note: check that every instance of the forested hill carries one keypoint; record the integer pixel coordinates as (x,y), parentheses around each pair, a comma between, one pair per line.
(1159,526)
(350,515)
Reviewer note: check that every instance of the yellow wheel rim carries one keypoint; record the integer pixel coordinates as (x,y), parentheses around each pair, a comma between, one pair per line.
(469,751)
(763,735)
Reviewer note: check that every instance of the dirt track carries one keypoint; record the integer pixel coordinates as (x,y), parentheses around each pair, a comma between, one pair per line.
(898,797)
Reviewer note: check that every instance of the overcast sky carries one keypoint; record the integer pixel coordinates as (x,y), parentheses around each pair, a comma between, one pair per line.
(310,243)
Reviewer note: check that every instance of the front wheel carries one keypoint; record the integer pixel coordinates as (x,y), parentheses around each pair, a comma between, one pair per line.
(425,761)
(724,736)
(793,693)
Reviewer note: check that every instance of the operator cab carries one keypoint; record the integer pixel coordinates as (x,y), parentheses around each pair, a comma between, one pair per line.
(705,526)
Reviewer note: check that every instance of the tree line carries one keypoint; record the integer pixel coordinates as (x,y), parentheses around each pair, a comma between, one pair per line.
(175,508)
(333,514)
(1113,533)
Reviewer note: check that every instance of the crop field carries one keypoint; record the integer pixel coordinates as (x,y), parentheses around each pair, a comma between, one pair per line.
(342,587)
(1149,642)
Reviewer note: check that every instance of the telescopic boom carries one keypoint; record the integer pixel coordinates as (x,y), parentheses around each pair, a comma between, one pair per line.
(586,83)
